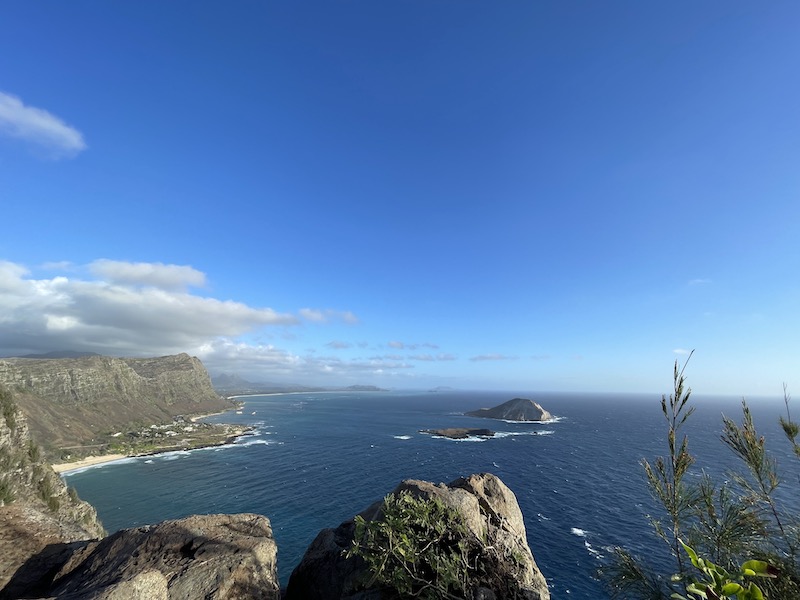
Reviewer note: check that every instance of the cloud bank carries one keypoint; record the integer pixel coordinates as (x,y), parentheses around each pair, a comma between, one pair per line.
(166,277)
(147,309)
(132,309)
(39,128)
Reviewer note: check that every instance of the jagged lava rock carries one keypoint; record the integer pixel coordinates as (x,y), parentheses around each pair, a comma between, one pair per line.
(518,409)
(215,557)
(489,509)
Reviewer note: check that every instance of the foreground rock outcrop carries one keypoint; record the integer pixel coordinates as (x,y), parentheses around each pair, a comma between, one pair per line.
(518,409)
(71,403)
(492,515)
(215,557)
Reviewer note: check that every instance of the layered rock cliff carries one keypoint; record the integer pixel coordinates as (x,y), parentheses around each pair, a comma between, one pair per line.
(37,510)
(71,402)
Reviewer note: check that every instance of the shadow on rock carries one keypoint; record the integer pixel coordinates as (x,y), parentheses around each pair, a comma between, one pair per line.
(216,557)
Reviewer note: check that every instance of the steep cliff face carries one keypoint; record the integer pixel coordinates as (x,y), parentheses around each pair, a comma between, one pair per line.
(70,402)
(36,508)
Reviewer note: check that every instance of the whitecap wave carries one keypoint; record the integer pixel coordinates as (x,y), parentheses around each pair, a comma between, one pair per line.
(250,442)
(577,531)
(174,455)
(471,438)
(554,419)
(402,437)
(596,553)
(501,434)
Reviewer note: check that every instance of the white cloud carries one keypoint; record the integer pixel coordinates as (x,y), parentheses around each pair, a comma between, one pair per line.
(484,357)
(323,316)
(143,309)
(338,345)
(432,358)
(268,363)
(117,318)
(394,357)
(166,277)
(681,351)
(38,127)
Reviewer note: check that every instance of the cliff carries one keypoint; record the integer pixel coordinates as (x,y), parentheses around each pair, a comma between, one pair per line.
(72,403)
(518,409)
(37,510)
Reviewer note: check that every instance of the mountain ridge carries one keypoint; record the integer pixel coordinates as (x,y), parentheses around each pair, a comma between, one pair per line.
(74,405)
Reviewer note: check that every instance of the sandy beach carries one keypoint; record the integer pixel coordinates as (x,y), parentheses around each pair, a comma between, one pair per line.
(214,414)
(89,461)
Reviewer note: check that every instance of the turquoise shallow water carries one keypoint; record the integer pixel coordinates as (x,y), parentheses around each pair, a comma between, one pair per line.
(319,458)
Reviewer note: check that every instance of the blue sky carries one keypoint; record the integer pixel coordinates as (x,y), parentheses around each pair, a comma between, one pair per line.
(517,195)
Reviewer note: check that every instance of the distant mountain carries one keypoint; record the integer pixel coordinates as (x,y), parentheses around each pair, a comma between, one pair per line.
(518,409)
(363,388)
(60,354)
(233,385)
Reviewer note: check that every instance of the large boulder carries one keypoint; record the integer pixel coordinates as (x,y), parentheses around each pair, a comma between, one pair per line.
(493,519)
(215,557)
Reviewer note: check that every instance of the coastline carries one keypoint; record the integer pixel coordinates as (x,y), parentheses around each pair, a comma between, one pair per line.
(205,416)
(93,461)
(89,461)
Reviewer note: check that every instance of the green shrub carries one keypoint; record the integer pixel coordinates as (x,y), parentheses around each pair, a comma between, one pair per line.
(718,582)
(9,409)
(422,548)
(418,548)
(34,453)
(6,491)
(732,523)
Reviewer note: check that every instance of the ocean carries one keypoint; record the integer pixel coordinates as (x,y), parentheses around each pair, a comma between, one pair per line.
(316,459)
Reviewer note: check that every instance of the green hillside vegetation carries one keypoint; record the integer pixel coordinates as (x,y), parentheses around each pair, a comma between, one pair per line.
(728,540)
(25,475)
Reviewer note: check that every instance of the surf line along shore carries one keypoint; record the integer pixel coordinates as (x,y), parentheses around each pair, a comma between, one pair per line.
(230,434)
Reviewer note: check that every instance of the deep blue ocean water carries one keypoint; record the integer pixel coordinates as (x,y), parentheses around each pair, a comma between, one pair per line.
(319,458)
